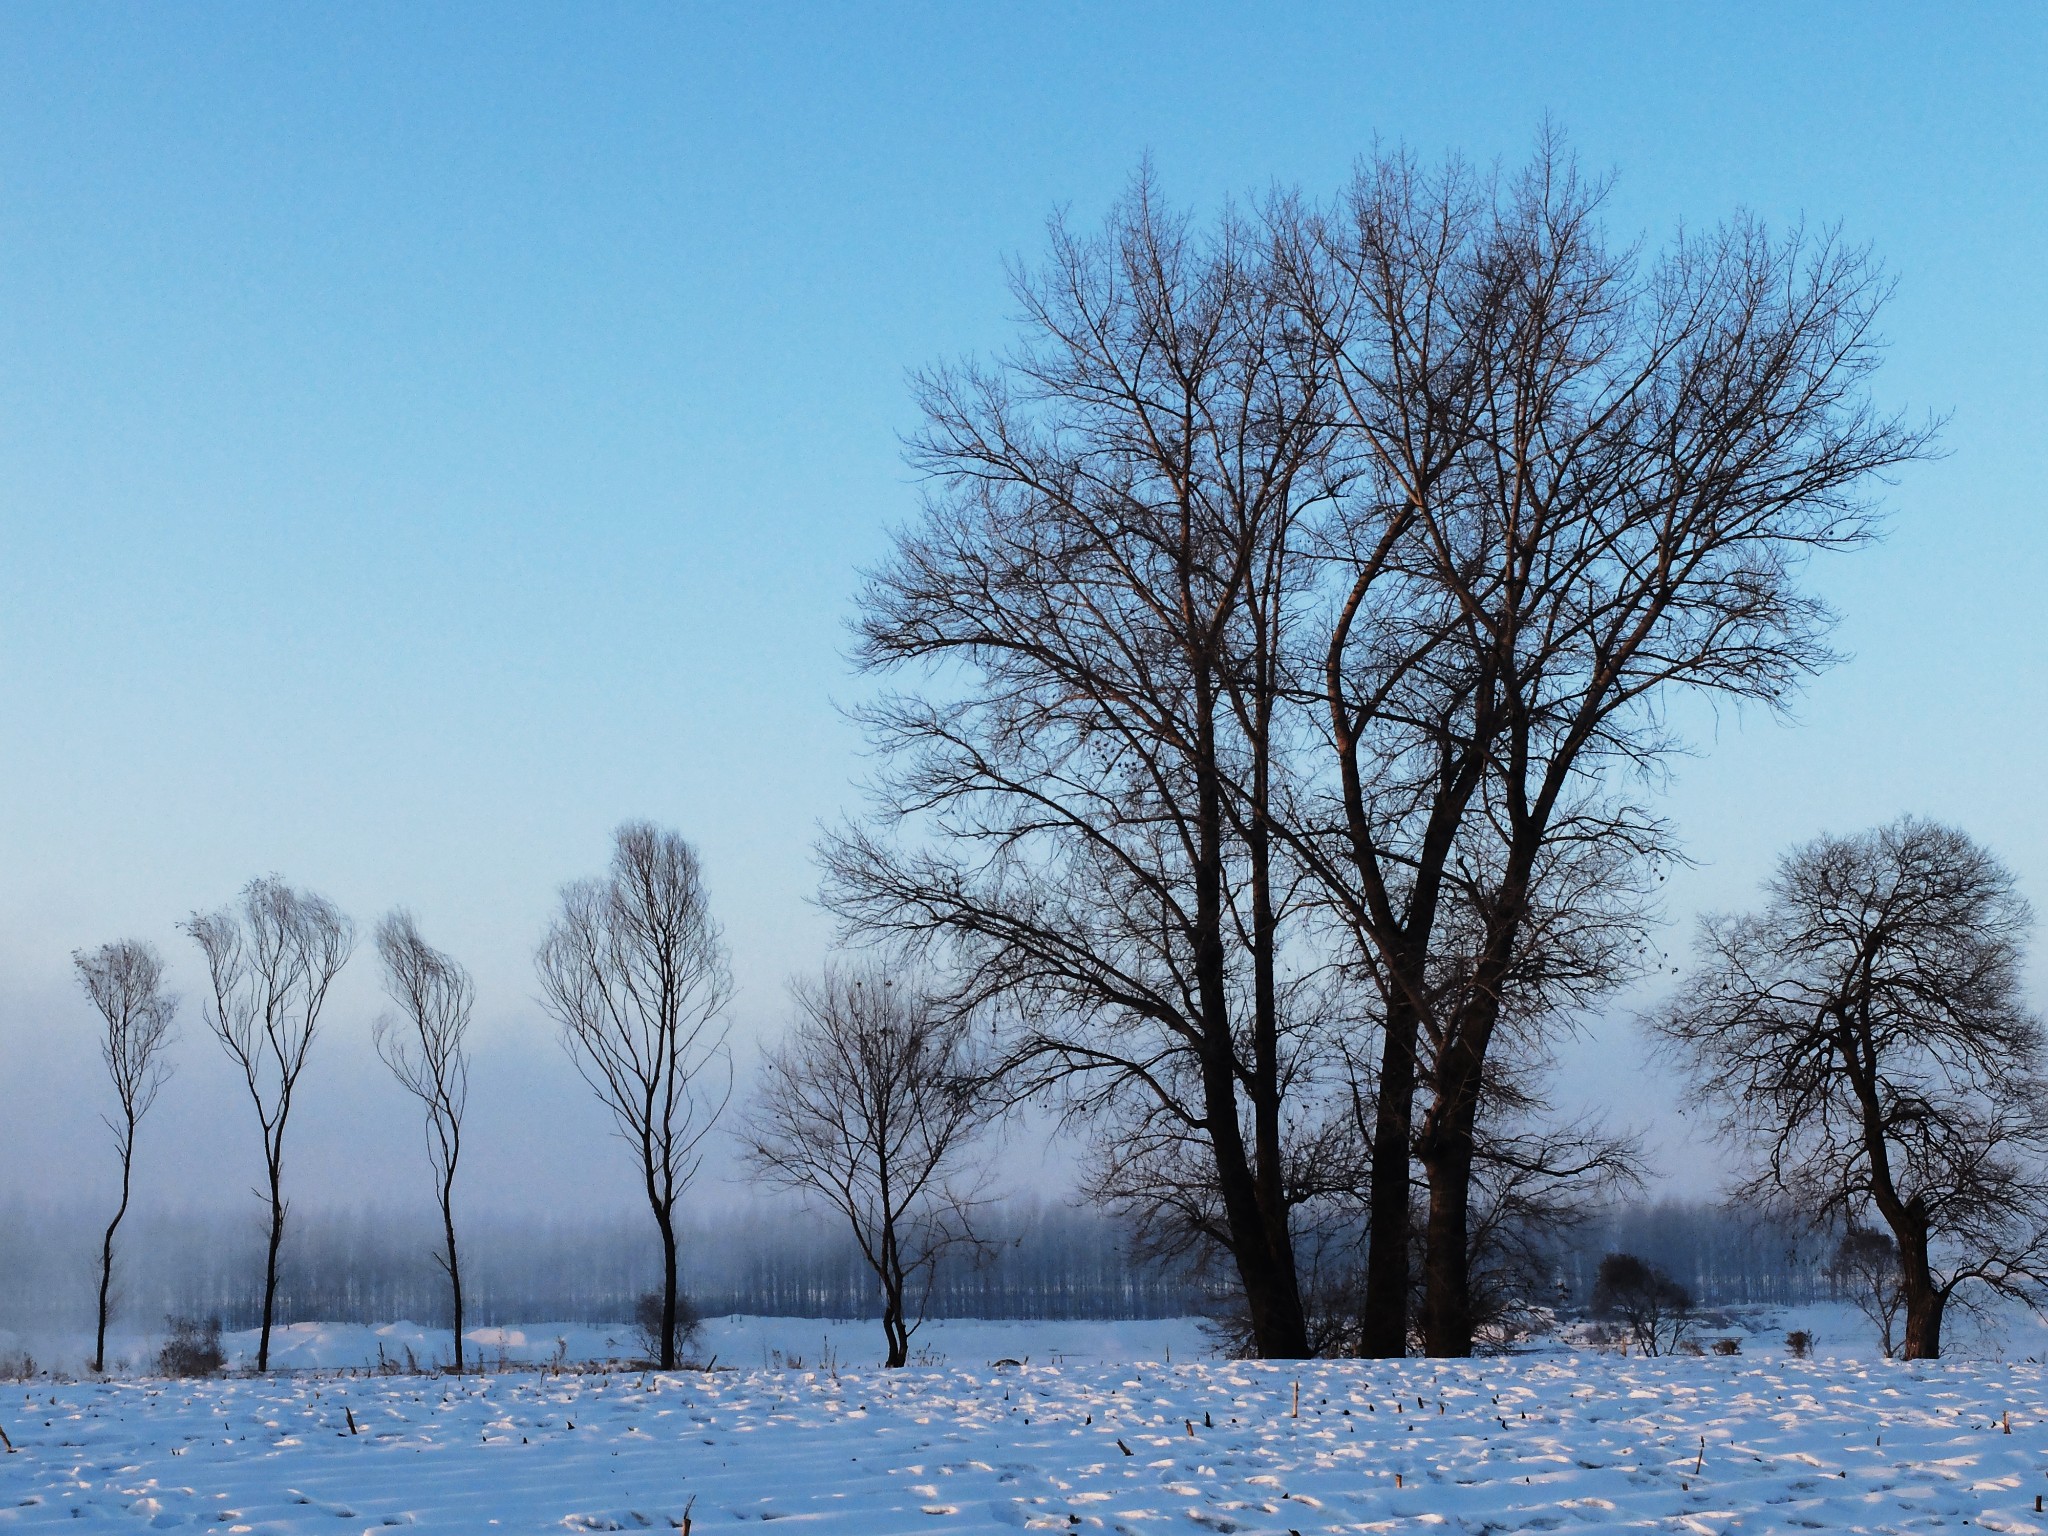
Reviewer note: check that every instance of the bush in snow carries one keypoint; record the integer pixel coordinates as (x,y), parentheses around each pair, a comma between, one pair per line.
(1656,1309)
(192,1349)
(647,1323)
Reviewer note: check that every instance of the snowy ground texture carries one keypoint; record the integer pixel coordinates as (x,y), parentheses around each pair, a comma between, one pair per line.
(1533,1443)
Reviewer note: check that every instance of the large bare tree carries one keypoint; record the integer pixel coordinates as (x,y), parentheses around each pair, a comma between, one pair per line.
(425,1046)
(1093,611)
(871,1103)
(1343,564)
(634,970)
(1868,1037)
(125,982)
(270,958)
(1587,483)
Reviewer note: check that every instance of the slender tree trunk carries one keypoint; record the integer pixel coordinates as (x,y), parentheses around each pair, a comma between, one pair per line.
(454,1269)
(1285,1319)
(1272,1296)
(669,1276)
(99,1351)
(270,1267)
(895,1323)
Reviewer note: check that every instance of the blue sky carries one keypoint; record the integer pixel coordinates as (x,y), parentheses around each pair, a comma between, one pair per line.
(431,434)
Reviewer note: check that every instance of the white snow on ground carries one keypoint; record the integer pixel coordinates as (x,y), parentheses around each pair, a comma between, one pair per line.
(742,1342)
(1531,1443)
(746,1341)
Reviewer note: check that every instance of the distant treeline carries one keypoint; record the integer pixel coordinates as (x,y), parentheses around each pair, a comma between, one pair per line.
(365,1266)
(1723,1257)
(376,1266)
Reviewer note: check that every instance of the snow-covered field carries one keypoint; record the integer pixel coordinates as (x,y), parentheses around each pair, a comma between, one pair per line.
(778,1342)
(1530,1443)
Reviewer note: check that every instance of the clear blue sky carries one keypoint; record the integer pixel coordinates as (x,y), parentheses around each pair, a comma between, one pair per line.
(430,434)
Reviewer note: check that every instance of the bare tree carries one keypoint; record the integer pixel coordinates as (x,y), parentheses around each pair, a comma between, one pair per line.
(634,970)
(1656,1308)
(1865,1263)
(425,1048)
(270,958)
(1868,1038)
(125,982)
(1342,565)
(871,1102)
(1585,483)
(1098,597)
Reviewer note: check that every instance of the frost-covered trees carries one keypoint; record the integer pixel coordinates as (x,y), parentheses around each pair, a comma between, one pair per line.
(634,971)
(1868,1037)
(270,958)
(125,982)
(870,1103)
(426,1047)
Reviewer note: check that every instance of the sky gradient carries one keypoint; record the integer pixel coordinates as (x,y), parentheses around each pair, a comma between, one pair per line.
(431,435)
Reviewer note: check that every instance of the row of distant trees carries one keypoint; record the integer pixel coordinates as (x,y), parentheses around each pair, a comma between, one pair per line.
(270,959)
(869,1103)
(1271,697)
(1864,1032)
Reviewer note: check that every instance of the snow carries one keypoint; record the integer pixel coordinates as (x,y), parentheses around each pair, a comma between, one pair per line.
(1527,1443)
(734,1341)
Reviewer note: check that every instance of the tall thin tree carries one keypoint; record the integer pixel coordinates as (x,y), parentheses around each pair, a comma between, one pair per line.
(425,1046)
(634,971)
(270,958)
(125,982)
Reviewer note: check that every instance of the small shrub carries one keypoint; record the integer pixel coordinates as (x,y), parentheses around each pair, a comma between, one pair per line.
(1800,1342)
(17,1365)
(1689,1347)
(1656,1309)
(1727,1346)
(647,1321)
(192,1349)
(1865,1268)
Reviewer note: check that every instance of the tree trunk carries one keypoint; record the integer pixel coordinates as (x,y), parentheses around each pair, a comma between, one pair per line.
(1447,1147)
(99,1351)
(270,1269)
(669,1278)
(454,1273)
(1384,1327)
(1923,1324)
(895,1325)
(1925,1301)
(1446,1268)
(1266,1268)
(1286,1322)
(1271,1292)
